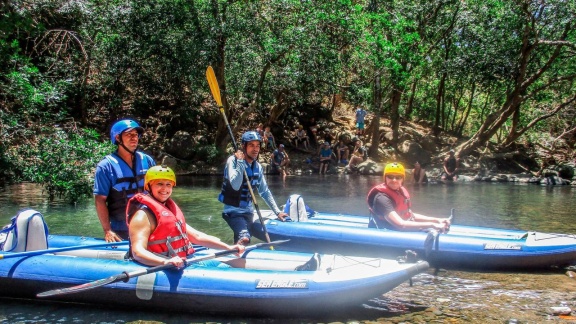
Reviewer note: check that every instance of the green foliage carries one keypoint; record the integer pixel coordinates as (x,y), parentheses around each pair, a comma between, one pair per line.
(63,162)
(209,153)
(96,61)
(36,97)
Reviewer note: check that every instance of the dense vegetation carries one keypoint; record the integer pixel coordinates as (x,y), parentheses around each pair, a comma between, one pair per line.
(498,71)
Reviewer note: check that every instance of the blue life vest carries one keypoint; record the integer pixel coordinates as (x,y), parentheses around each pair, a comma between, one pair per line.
(128,183)
(241,198)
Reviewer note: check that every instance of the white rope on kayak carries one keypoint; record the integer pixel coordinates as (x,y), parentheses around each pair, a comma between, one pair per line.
(353,261)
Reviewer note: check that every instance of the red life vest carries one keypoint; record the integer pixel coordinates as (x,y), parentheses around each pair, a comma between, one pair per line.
(169,238)
(400,197)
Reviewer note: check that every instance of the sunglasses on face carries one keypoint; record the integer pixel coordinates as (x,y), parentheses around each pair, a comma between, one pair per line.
(394,177)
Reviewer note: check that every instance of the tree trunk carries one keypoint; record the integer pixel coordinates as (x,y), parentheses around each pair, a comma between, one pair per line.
(462,121)
(395,97)
(439,98)
(375,124)
(255,98)
(410,103)
(515,122)
(522,82)
(258,92)
(492,124)
(456,107)
(280,106)
(515,133)
(83,94)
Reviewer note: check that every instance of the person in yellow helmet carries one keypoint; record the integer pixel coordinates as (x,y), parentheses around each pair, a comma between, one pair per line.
(157,228)
(390,205)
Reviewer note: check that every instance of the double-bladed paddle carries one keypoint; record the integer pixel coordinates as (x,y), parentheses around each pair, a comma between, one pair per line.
(215,89)
(125,276)
(62,249)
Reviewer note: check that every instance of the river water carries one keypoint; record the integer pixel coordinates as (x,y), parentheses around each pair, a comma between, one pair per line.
(432,298)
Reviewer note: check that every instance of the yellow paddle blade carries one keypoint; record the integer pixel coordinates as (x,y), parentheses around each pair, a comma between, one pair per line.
(213,83)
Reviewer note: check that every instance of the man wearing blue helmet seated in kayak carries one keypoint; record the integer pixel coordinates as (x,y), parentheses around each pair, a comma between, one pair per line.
(389,205)
(238,206)
(118,177)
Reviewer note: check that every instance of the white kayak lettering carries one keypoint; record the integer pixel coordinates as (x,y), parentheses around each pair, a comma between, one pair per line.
(292,284)
(502,246)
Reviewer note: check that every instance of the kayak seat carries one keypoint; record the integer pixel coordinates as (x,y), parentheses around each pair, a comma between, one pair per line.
(27,232)
(297,210)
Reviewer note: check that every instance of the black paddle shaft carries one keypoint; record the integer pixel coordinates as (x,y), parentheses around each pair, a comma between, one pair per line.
(125,276)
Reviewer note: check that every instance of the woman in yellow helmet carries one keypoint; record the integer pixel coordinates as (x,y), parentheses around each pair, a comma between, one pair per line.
(389,205)
(157,228)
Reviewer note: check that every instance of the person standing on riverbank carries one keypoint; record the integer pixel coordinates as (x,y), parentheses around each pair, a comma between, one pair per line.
(389,205)
(238,205)
(325,157)
(360,115)
(118,177)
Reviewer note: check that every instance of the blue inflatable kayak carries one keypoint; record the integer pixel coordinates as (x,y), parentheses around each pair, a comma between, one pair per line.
(269,286)
(464,247)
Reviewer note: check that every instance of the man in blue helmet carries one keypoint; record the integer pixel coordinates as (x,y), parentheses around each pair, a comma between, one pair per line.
(118,177)
(238,207)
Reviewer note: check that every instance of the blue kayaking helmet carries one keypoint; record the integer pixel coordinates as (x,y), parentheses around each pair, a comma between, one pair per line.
(121,126)
(250,136)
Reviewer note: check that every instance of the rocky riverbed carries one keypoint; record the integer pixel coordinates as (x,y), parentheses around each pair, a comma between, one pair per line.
(475,297)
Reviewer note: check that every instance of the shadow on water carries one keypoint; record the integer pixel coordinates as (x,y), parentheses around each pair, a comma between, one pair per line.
(450,294)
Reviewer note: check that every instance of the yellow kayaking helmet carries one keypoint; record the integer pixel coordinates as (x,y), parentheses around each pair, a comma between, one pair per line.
(159,172)
(394,168)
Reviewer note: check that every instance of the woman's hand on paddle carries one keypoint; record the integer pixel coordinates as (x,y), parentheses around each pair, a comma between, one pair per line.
(111,237)
(443,225)
(241,248)
(438,227)
(176,261)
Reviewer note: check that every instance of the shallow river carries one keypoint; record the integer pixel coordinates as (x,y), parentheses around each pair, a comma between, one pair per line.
(452,297)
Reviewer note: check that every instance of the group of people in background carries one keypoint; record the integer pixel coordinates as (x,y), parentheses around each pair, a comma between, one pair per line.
(132,198)
(268,140)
